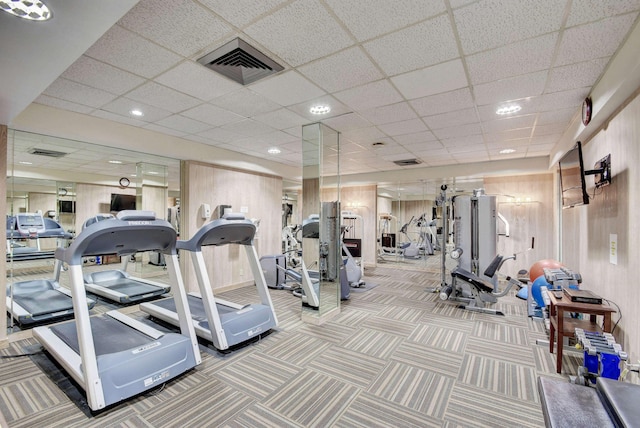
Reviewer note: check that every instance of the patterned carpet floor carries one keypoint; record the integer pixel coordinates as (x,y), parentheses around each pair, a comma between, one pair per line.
(395,356)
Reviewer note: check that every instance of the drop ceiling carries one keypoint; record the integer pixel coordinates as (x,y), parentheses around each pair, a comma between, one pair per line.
(423,77)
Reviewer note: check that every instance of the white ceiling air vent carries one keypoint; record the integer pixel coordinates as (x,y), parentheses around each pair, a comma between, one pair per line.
(240,61)
(407,162)
(45,152)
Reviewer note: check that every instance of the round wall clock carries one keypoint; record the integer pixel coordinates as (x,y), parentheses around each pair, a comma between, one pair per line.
(124,182)
(586,111)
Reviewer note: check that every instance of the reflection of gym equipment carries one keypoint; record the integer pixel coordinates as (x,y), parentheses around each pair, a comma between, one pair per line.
(113,356)
(290,244)
(40,300)
(387,245)
(116,284)
(27,227)
(352,248)
(221,322)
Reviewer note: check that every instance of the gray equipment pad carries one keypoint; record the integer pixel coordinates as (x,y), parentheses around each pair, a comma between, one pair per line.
(109,335)
(128,286)
(44,302)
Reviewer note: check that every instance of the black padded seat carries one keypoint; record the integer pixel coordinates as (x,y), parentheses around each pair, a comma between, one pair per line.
(467,276)
(620,399)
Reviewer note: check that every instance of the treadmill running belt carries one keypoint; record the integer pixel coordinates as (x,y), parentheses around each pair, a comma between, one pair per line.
(196,307)
(128,286)
(44,302)
(109,335)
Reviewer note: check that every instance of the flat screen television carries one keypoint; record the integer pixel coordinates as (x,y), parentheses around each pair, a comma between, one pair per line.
(121,202)
(572,182)
(66,206)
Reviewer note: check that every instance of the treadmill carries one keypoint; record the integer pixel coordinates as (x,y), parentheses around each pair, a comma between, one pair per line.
(221,322)
(116,284)
(26,226)
(41,300)
(113,356)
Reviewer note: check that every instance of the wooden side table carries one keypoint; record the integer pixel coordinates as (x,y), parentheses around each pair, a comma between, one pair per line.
(564,326)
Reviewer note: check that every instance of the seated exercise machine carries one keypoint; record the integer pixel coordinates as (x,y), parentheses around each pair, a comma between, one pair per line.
(475,292)
(116,284)
(41,300)
(221,322)
(113,356)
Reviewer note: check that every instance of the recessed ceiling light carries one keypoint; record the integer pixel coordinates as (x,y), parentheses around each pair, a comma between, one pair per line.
(153,173)
(510,109)
(320,109)
(117,162)
(274,151)
(135,112)
(31,10)
(25,163)
(507,151)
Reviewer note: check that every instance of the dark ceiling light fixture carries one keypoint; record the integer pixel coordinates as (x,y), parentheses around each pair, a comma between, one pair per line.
(408,162)
(240,61)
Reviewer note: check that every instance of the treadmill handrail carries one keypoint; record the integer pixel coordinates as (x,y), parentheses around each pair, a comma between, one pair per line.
(121,237)
(220,232)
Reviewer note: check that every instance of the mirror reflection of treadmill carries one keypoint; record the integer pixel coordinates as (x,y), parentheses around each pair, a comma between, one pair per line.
(24,227)
(40,300)
(113,356)
(118,285)
(221,322)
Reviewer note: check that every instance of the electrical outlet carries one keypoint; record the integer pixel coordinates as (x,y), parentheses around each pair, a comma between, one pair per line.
(241,272)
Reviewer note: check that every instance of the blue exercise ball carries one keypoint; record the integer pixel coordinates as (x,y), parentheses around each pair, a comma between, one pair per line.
(536,291)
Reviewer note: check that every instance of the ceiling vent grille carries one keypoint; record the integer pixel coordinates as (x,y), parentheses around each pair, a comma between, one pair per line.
(45,152)
(408,162)
(240,61)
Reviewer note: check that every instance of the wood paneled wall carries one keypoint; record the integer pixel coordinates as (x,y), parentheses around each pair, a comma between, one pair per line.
(261,197)
(612,210)
(361,200)
(532,216)
(92,199)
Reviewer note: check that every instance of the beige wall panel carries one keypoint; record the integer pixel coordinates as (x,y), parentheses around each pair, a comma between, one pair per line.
(42,201)
(532,217)
(93,199)
(259,195)
(612,210)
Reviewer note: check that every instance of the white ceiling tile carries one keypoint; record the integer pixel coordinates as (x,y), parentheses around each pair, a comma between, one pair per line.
(432,80)
(123,106)
(364,136)
(404,127)
(552,128)
(342,70)
(555,116)
(245,103)
(491,23)
(292,32)
(454,118)
(221,135)
(212,115)
(128,51)
(287,88)
(469,150)
(388,16)
(544,139)
(402,155)
(573,76)
(512,60)
(183,124)
(103,76)
(391,113)
(516,143)
(370,95)
(408,140)
(119,118)
(442,103)
(346,122)
(424,146)
(562,100)
(459,3)
(279,139)
(78,93)
(62,104)
(428,43)
(500,125)
(458,131)
(463,140)
(512,134)
(164,23)
(281,119)
(241,12)
(541,147)
(511,88)
(583,11)
(303,109)
(603,38)
(249,128)
(165,98)
(296,131)
(198,81)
